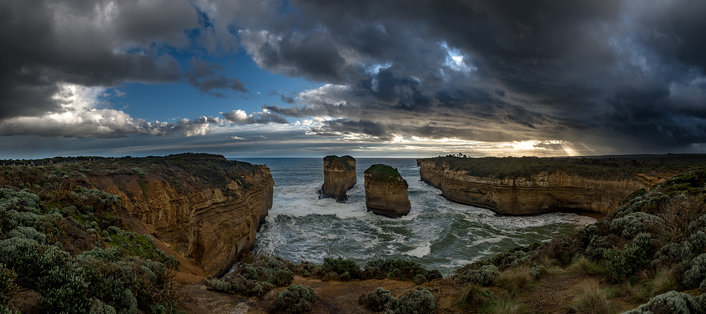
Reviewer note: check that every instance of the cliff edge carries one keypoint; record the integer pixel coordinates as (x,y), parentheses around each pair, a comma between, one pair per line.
(339,177)
(530,185)
(200,208)
(386,191)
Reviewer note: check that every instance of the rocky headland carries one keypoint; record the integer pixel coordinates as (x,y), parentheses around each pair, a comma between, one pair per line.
(531,185)
(386,191)
(339,177)
(202,208)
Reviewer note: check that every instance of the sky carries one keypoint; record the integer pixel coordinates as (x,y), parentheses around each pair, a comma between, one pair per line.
(374,78)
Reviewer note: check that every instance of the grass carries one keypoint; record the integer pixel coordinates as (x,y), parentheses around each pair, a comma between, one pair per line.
(584,265)
(606,167)
(380,172)
(347,161)
(593,300)
(515,279)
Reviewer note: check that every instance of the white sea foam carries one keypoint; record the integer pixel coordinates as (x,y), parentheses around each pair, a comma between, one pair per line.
(420,251)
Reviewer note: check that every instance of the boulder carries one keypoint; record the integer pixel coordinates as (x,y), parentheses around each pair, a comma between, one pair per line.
(386,191)
(339,177)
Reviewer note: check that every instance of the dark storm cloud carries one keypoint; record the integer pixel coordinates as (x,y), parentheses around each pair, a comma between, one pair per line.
(204,76)
(631,74)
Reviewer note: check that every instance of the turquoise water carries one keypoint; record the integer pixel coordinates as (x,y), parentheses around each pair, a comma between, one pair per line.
(437,233)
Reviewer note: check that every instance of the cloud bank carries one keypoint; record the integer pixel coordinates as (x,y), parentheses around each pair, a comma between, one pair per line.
(598,76)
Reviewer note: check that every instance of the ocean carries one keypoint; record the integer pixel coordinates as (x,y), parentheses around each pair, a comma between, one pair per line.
(437,233)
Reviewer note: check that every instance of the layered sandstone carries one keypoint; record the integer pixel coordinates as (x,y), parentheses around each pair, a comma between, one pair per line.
(541,192)
(203,207)
(339,177)
(386,191)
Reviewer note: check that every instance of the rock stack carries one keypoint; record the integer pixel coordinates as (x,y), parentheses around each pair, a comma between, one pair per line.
(339,177)
(386,191)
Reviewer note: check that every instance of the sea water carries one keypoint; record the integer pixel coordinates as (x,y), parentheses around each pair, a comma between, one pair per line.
(437,233)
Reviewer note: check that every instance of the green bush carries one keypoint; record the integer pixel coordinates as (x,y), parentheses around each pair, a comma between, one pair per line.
(695,273)
(537,271)
(670,302)
(380,300)
(294,299)
(139,245)
(632,224)
(340,266)
(483,276)
(7,284)
(417,301)
(635,256)
(399,269)
(254,279)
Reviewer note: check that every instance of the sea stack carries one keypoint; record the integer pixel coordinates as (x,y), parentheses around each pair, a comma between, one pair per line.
(386,191)
(339,177)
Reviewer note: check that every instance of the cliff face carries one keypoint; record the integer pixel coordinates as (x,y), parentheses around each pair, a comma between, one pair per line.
(209,224)
(386,193)
(542,192)
(339,177)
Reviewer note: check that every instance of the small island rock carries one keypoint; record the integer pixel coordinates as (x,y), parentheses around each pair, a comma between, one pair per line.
(386,191)
(339,177)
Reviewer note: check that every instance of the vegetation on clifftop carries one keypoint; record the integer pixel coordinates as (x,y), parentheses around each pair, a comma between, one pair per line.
(198,170)
(67,247)
(347,161)
(651,246)
(380,172)
(602,167)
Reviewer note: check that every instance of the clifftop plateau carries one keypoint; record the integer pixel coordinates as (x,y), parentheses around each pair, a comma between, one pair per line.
(531,185)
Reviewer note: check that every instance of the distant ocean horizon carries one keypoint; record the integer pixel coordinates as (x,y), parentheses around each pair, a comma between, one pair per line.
(437,233)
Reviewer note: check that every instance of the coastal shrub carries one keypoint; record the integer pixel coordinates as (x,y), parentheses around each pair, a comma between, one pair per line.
(417,301)
(7,284)
(482,276)
(399,269)
(27,233)
(597,246)
(593,300)
(254,279)
(294,299)
(622,264)
(380,300)
(419,279)
(474,296)
(139,245)
(306,269)
(537,271)
(273,275)
(340,266)
(694,274)
(670,302)
(631,224)
(98,307)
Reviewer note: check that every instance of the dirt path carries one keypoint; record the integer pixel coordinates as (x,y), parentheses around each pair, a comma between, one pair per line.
(552,294)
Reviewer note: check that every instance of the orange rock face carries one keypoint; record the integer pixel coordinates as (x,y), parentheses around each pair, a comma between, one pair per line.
(388,196)
(212,226)
(339,177)
(543,192)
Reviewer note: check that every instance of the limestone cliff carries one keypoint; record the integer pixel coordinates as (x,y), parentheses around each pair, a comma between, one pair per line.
(203,207)
(339,177)
(540,192)
(386,191)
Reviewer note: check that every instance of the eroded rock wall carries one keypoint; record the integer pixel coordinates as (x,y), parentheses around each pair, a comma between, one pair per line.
(386,196)
(211,226)
(339,177)
(543,192)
